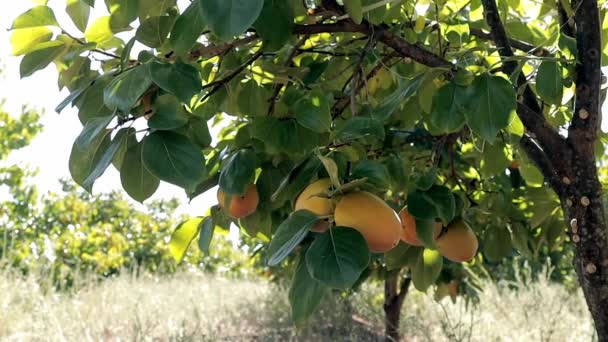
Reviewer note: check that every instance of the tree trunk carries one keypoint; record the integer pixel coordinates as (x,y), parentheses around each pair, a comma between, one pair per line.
(394,295)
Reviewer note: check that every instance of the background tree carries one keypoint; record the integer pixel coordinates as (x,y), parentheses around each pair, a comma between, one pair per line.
(461,110)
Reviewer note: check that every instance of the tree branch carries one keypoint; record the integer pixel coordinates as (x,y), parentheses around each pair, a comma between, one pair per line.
(217,85)
(218,50)
(542,161)
(517,44)
(586,119)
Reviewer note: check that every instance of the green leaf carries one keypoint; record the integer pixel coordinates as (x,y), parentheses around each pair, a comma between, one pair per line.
(238,172)
(490,101)
(153,8)
(283,136)
(25,40)
(182,237)
(100,31)
(399,256)
(275,24)
(394,101)
(438,201)
(338,257)
(126,144)
(34,17)
(298,178)
(79,12)
(289,234)
(375,172)
(549,82)
(88,149)
(173,158)
(427,269)
(206,228)
(313,112)
(354,8)
(332,170)
(359,127)
(168,113)
(425,230)
(154,31)
(497,243)
(427,180)
(137,181)
(90,102)
(104,159)
(305,293)
(41,57)
(229,18)
(447,112)
(494,161)
(188,28)
(181,79)
(125,89)
(122,12)
(199,132)
(253,99)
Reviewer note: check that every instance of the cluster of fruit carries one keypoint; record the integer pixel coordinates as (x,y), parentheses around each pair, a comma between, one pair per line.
(379,224)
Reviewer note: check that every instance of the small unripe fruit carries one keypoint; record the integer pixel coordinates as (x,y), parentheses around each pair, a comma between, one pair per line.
(240,205)
(310,200)
(458,243)
(372,217)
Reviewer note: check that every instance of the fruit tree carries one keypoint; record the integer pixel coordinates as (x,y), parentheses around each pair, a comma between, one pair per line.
(362,138)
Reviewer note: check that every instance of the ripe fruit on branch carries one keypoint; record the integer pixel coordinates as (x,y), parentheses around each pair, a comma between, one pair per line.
(458,243)
(409,234)
(311,199)
(240,205)
(372,217)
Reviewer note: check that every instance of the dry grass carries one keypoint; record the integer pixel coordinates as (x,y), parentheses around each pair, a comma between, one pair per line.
(197,307)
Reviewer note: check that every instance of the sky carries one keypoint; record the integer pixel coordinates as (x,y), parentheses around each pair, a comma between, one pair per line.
(50,151)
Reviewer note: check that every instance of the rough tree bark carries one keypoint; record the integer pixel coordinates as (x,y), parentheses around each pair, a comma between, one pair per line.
(394,295)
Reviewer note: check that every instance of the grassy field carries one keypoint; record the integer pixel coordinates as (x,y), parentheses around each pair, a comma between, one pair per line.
(195,307)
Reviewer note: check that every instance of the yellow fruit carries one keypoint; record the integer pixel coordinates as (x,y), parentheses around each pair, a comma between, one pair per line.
(320,206)
(240,205)
(458,243)
(409,234)
(372,217)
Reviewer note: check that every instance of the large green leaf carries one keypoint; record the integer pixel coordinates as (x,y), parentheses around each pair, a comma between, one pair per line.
(298,178)
(181,79)
(34,17)
(289,234)
(90,103)
(490,101)
(497,243)
(238,172)
(549,82)
(206,228)
(137,181)
(79,11)
(173,158)
(447,112)
(88,149)
(25,40)
(253,99)
(313,112)
(168,113)
(40,57)
(125,89)
(104,159)
(394,101)
(229,18)
(275,24)
(187,28)
(182,237)
(338,257)
(122,12)
(305,293)
(438,201)
(154,31)
(359,127)
(375,172)
(153,8)
(283,135)
(427,269)
(354,8)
